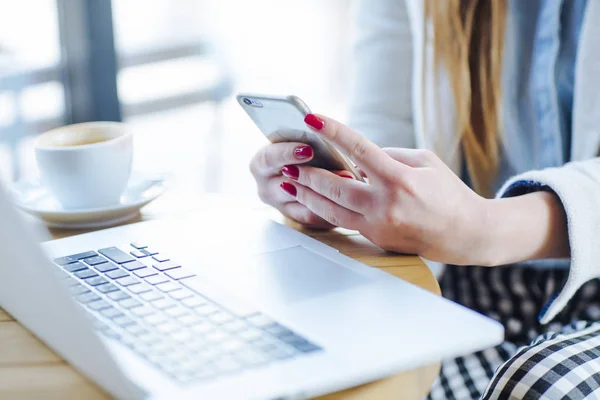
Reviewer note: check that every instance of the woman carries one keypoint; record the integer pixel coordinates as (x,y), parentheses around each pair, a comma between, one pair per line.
(472,98)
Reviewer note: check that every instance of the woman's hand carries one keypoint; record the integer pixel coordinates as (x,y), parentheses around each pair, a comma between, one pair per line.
(413,202)
(266,166)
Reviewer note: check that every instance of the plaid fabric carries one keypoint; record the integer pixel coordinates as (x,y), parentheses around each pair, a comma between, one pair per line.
(556,361)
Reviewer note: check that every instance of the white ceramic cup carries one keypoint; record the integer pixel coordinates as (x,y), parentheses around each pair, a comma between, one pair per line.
(86,165)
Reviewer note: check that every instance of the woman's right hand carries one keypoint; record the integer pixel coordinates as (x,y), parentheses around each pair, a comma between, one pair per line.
(266,166)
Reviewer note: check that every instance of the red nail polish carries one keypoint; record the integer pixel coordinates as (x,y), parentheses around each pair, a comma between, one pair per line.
(289,188)
(291,171)
(346,176)
(314,121)
(303,152)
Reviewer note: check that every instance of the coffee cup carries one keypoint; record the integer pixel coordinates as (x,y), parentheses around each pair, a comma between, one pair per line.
(85,165)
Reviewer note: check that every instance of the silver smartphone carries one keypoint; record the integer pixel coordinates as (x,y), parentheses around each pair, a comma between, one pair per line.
(281,119)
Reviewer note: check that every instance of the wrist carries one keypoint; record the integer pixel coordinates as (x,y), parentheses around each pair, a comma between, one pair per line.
(527,227)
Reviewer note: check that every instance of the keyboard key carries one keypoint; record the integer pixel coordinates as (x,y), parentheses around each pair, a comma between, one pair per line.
(132,266)
(77,289)
(179,273)
(118,296)
(251,357)
(300,343)
(96,281)
(260,320)
(206,309)
(234,326)
(87,297)
(144,272)
(142,311)
(141,288)
(111,313)
(232,346)
(182,335)
(176,311)
(123,320)
(168,328)
(96,260)
(168,286)
(249,335)
(85,273)
(156,279)
(127,281)
(155,319)
(278,330)
(181,294)
(163,304)
(281,352)
(130,303)
(220,317)
(138,254)
(194,302)
(161,258)
(106,267)
(107,288)
(116,255)
(98,305)
(138,245)
(136,329)
(149,252)
(74,267)
(189,319)
(74,257)
(217,336)
(201,327)
(151,296)
(116,274)
(164,266)
(111,334)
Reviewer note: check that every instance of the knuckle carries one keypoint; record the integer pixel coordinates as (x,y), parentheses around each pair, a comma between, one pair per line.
(334,192)
(330,217)
(359,150)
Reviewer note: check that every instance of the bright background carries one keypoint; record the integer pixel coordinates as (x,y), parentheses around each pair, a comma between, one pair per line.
(299,47)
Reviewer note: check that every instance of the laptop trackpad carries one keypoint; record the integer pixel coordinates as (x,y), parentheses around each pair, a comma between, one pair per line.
(291,275)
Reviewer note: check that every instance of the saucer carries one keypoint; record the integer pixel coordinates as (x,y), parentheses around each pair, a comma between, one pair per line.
(33,198)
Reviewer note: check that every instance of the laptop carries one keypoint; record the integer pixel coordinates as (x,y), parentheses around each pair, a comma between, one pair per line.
(198,307)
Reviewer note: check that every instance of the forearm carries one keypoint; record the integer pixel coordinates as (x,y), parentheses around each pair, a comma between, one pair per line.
(527,227)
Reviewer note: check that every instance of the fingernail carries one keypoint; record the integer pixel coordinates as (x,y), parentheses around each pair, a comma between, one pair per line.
(291,171)
(303,152)
(314,121)
(289,188)
(346,176)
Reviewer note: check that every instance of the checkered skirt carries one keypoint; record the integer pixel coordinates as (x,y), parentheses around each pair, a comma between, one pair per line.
(560,360)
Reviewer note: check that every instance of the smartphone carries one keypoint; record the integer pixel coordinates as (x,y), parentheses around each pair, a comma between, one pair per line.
(281,119)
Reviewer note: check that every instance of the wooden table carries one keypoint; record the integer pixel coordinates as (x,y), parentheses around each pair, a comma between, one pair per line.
(30,370)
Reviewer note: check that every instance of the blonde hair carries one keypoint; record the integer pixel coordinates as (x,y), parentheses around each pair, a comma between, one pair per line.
(468,39)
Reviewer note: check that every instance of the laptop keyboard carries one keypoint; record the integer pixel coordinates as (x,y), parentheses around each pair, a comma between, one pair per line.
(140,297)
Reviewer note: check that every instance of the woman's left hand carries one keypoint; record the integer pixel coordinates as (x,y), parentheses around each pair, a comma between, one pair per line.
(412,204)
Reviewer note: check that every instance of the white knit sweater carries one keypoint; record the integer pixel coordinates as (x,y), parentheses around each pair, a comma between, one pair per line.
(387,106)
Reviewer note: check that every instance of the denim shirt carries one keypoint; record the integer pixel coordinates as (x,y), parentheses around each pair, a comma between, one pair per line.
(540,55)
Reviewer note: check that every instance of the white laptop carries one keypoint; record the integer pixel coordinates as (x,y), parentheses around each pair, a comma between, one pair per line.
(179,309)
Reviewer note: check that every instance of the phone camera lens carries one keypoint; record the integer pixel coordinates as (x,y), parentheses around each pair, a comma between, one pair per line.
(247,101)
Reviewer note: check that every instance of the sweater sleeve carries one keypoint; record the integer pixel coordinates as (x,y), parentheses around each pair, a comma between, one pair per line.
(577,184)
(380,105)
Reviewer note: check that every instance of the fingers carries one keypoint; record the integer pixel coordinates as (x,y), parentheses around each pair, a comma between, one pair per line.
(323,207)
(348,193)
(416,158)
(269,160)
(301,214)
(370,158)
